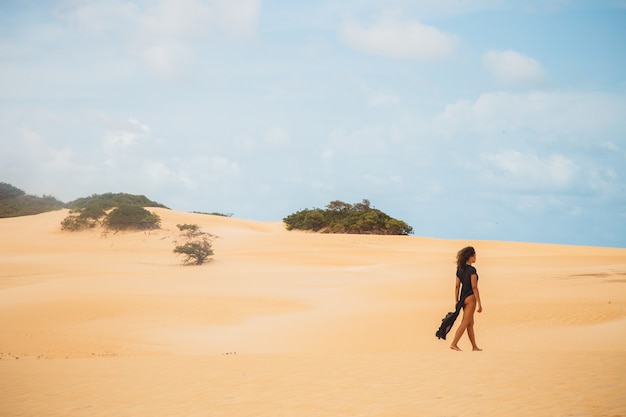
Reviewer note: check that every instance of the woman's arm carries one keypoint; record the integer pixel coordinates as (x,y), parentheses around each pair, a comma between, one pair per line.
(457,288)
(479,305)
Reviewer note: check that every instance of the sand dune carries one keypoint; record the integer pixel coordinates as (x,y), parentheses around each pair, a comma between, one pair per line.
(300,324)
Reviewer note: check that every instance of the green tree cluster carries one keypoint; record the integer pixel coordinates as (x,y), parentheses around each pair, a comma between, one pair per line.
(131,218)
(110,200)
(86,218)
(15,202)
(120,218)
(114,211)
(340,217)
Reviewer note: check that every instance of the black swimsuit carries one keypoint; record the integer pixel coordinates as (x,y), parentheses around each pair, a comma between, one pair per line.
(465,275)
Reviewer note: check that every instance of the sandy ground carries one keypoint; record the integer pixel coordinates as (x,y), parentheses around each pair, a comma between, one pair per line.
(299,324)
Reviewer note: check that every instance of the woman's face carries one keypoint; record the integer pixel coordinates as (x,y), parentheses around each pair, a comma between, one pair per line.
(472,259)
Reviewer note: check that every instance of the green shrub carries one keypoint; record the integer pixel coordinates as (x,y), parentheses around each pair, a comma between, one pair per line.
(190,230)
(214,213)
(86,218)
(188,227)
(132,218)
(195,251)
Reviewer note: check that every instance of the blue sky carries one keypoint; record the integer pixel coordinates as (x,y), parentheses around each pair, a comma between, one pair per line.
(485,119)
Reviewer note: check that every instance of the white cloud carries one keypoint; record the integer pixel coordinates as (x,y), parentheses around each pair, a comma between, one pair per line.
(539,111)
(438,8)
(59,161)
(135,122)
(238,17)
(164,33)
(159,174)
(511,67)
(427,10)
(176,19)
(223,166)
(35,162)
(99,16)
(193,18)
(383,99)
(162,18)
(610,146)
(189,173)
(370,140)
(397,38)
(33,141)
(168,60)
(527,171)
(244,144)
(120,140)
(277,136)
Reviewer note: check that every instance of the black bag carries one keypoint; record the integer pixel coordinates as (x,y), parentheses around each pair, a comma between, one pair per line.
(448,321)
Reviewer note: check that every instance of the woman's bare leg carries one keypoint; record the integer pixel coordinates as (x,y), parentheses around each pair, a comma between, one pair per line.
(457,336)
(472,336)
(468,320)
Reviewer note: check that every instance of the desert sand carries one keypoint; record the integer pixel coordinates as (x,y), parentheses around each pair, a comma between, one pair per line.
(283,323)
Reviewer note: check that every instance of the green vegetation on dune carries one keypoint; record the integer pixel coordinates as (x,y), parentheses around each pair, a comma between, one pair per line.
(114,211)
(110,200)
(122,211)
(125,212)
(15,202)
(340,217)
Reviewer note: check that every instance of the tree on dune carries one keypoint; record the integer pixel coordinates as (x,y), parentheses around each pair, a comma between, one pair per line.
(340,217)
(196,251)
(131,218)
(198,246)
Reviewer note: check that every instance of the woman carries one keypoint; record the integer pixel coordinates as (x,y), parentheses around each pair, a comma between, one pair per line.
(467,283)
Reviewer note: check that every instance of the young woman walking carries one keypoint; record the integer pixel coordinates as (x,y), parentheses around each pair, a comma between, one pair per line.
(467,285)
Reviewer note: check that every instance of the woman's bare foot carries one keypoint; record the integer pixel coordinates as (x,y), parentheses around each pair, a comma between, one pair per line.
(477,349)
(455,347)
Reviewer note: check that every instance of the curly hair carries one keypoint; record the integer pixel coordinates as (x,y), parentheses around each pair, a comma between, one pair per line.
(463,256)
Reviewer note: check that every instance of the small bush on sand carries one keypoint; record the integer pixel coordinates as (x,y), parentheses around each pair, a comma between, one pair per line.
(195,251)
(190,230)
